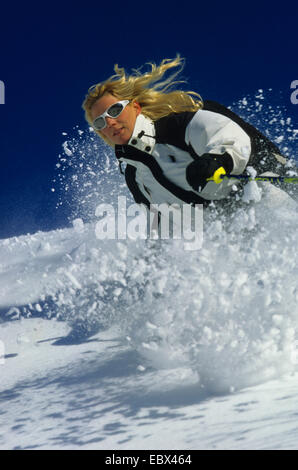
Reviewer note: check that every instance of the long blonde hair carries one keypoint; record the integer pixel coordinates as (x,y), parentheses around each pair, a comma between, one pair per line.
(155,95)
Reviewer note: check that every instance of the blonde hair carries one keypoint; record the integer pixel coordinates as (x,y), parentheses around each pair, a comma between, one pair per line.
(155,95)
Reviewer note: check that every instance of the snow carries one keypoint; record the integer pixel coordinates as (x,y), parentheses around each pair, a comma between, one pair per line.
(67,151)
(115,345)
(141,344)
(94,395)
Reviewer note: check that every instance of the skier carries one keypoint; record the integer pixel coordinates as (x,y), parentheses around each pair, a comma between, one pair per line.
(175,145)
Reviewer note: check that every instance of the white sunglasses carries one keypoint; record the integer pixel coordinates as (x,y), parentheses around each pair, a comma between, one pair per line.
(113,111)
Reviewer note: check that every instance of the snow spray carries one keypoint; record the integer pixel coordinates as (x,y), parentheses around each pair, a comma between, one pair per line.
(228,312)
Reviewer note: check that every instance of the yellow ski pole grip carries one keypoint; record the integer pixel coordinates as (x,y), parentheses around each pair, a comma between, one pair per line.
(217,176)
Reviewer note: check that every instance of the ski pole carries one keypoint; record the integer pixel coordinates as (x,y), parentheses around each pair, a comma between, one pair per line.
(221,175)
(270,179)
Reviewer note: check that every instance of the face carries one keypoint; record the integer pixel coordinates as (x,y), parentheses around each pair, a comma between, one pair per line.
(118,130)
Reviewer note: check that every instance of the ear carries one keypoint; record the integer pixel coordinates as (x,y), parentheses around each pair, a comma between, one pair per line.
(137,107)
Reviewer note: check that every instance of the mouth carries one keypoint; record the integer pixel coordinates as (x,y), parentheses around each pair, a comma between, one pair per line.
(117,132)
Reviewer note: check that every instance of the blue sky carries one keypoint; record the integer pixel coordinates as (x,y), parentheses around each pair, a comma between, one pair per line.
(52,53)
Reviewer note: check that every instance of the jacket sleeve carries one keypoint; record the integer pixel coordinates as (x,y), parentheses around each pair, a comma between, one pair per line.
(213,133)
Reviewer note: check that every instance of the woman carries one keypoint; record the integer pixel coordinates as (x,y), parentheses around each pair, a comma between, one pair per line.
(174,144)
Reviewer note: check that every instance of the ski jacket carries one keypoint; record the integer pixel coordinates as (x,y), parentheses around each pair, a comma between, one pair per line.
(158,154)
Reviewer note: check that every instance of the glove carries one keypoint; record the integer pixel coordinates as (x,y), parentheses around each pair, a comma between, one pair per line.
(205,166)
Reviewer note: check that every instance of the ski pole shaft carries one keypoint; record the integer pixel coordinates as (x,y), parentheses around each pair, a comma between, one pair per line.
(220,175)
(270,179)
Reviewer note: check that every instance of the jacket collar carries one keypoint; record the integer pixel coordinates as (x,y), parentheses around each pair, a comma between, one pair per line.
(143,136)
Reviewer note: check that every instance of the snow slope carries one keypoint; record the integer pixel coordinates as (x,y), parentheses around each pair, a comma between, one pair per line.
(140,344)
(92,396)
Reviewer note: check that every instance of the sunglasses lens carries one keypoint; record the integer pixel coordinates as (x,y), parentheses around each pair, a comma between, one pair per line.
(99,123)
(115,110)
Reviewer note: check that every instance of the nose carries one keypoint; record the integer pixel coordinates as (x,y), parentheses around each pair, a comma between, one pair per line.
(110,121)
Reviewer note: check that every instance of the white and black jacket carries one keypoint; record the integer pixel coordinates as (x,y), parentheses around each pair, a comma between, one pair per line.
(158,154)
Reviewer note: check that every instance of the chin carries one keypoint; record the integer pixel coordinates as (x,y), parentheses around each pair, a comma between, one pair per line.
(122,140)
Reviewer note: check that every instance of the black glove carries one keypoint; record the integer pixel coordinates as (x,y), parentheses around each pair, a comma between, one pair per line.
(205,166)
